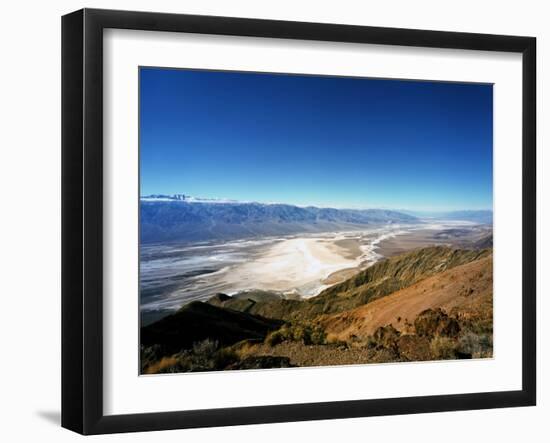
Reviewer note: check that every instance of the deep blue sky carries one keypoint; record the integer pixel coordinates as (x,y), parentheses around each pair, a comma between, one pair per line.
(326,141)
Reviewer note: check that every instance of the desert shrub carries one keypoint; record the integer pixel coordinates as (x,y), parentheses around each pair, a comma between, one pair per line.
(183,361)
(371,342)
(274,338)
(385,337)
(299,332)
(469,343)
(427,321)
(318,336)
(486,344)
(204,356)
(476,345)
(479,326)
(443,348)
(411,347)
(165,364)
(433,322)
(149,356)
(335,341)
(449,327)
(309,335)
(205,348)
(224,357)
(246,347)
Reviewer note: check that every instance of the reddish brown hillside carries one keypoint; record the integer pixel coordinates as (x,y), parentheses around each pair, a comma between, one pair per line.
(465,290)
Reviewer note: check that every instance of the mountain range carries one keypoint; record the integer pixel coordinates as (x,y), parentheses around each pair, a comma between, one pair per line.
(481,216)
(165,218)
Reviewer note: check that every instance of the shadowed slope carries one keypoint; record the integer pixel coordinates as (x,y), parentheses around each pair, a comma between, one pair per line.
(199,321)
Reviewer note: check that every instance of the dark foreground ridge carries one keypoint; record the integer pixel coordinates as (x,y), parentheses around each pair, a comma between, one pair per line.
(198,321)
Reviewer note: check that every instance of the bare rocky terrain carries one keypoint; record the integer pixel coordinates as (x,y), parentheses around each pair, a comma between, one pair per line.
(427,304)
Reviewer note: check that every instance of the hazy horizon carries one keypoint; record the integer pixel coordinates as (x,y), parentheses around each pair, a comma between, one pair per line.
(215,199)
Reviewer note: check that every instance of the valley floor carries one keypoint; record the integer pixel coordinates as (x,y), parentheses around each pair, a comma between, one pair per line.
(302,266)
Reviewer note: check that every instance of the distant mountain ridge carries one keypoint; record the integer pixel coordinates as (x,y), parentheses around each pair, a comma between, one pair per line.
(477,216)
(184,198)
(481,216)
(183,218)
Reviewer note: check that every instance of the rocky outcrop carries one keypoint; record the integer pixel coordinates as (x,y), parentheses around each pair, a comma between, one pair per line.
(414,348)
(386,337)
(432,322)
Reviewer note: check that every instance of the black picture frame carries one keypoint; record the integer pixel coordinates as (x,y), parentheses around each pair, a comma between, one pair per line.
(82,218)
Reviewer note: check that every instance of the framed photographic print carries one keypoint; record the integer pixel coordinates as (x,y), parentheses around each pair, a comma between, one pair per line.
(269,221)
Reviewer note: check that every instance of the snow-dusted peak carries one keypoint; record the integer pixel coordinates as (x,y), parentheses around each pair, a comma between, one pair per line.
(185,198)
